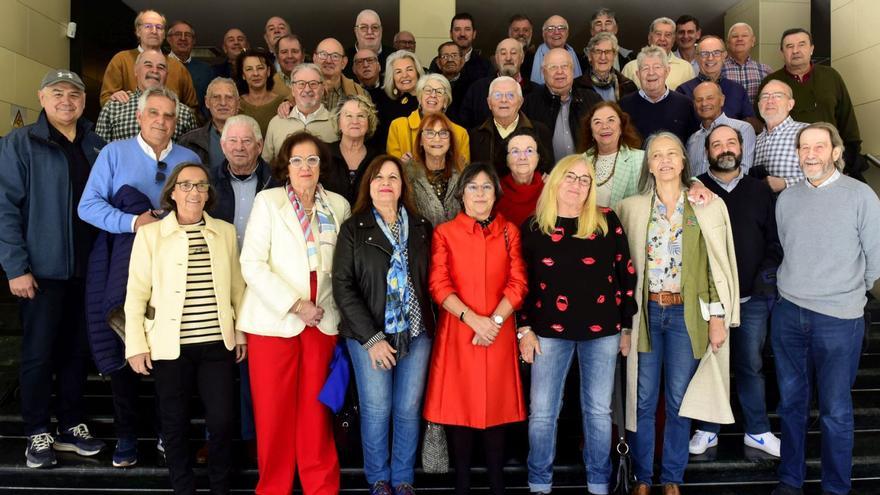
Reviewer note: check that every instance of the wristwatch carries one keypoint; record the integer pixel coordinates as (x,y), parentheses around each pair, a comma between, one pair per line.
(498,319)
(522,332)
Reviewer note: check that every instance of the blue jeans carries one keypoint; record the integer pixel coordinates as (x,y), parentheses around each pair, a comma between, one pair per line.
(596,360)
(811,346)
(383,394)
(746,356)
(672,352)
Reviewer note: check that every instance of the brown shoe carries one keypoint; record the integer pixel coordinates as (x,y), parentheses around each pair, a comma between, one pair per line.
(671,489)
(641,489)
(202,454)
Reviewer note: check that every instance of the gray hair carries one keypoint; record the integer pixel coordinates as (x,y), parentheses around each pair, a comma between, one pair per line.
(439,79)
(388,84)
(501,79)
(709,37)
(363,102)
(647,183)
(661,20)
(604,11)
(836,140)
(301,67)
(368,11)
(157,91)
(602,37)
(142,54)
(242,120)
(740,24)
(218,81)
(652,52)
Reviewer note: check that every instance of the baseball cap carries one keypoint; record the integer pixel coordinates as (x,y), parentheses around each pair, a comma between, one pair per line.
(62,75)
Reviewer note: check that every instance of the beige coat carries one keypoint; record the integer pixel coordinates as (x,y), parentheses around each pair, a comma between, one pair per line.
(157,277)
(275,266)
(279,128)
(714,222)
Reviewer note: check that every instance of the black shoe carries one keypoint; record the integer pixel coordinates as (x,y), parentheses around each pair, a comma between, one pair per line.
(783,489)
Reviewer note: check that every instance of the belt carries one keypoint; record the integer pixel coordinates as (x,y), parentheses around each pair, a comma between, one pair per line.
(666,298)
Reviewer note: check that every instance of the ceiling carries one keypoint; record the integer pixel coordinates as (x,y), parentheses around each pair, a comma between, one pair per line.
(314,20)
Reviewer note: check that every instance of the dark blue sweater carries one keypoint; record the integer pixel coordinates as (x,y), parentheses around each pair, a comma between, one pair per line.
(675,114)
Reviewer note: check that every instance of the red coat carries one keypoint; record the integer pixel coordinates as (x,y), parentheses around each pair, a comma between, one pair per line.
(470,385)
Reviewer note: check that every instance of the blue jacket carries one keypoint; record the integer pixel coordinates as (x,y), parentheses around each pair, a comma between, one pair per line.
(224,207)
(106,283)
(36,201)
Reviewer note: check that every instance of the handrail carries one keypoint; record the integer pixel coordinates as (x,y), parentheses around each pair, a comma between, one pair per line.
(873,159)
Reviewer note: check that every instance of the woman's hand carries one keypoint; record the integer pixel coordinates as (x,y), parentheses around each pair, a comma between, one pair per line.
(529,346)
(240,352)
(382,355)
(717,332)
(484,327)
(406,157)
(309,313)
(141,363)
(625,344)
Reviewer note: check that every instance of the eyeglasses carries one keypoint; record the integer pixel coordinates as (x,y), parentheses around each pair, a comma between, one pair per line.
(434,91)
(446,57)
(582,180)
(553,29)
(150,27)
(180,34)
(201,187)
(406,42)
(772,96)
(335,57)
(300,85)
(474,188)
(527,152)
(498,95)
(365,61)
(160,174)
(298,161)
(712,53)
(366,28)
(558,67)
(602,53)
(431,134)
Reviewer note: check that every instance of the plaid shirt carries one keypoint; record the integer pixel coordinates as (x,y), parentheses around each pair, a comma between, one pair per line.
(776,151)
(749,74)
(119,120)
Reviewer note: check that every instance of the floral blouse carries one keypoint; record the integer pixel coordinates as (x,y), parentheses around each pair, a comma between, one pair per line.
(664,247)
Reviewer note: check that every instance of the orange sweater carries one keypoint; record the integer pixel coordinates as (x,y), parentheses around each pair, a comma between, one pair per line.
(120,76)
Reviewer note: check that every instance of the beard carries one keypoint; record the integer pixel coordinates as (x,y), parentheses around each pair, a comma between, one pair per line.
(725,162)
(826,170)
(508,70)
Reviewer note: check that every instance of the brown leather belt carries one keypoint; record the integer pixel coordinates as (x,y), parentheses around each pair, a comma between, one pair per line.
(666,298)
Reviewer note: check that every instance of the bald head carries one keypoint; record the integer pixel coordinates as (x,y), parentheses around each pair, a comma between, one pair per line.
(555,31)
(368,30)
(509,57)
(558,70)
(708,101)
(330,56)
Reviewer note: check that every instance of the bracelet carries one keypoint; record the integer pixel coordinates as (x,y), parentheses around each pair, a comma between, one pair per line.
(461,316)
(297,306)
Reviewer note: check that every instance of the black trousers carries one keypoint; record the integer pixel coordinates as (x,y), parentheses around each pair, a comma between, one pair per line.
(212,368)
(53,342)
(462,440)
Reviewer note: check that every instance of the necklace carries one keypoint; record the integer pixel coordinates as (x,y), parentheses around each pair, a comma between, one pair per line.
(605,165)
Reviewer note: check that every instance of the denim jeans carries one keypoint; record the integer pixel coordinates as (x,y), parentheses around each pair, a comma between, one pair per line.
(596,361)
(671,351)
(746,359)
(812,346)
(387,394)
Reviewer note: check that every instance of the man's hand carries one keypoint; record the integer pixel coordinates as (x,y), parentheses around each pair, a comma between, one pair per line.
(144,218)
(776,183)
(284,109)
(24,286)
(121,96)
(700,194)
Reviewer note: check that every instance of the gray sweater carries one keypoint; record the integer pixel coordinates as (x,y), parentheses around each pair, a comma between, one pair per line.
(831,242)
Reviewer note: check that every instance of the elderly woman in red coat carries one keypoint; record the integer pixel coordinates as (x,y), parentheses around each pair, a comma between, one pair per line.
(478,276)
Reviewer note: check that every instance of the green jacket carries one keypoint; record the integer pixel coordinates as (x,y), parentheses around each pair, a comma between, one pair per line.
(627,168)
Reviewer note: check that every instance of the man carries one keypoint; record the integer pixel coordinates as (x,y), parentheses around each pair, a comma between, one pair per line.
(451,62)
(44,250)
(508,60)
(710,55)
(555,33)
(739,65)
(307,86)
(149,27)
(687,32)
(329,55)
(656,108)
(604,20)
(600,75)
(749,202)
(662,34)
(829,226)
(404,40)
(222,101)
(368,35)
(820,94)
(366,69)
(519,27)
(462,32)
(488,141)
(290,53)
(182,39)
(775,152)
(118,120)
(709,103)
(558,105)
(275,29)
(234,42)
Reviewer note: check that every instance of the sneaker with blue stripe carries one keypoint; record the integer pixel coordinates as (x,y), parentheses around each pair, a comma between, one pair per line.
(702,441)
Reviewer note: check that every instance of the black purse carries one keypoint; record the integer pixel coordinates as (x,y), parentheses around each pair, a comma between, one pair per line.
(624,478)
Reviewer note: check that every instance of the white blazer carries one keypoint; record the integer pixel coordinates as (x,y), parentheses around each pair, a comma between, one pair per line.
(275,267)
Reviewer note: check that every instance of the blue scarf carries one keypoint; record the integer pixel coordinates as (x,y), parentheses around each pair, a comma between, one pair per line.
(397,295)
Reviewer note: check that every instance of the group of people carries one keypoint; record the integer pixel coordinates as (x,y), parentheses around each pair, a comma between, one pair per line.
(435,227)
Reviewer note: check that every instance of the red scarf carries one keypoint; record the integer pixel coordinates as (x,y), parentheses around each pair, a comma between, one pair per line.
(519,200)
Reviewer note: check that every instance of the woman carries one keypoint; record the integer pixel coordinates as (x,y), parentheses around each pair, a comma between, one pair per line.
(601,76)
(291,319)
(524,183)
(435,96)
(178,321)
(612,148)
(478,277)
(434,170)
(355,121)
(398,96)
(380,283)
(257,69)
(688,297)
(581,283)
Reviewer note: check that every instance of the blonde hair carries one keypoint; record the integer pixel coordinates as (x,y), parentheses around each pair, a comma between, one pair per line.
(591,219)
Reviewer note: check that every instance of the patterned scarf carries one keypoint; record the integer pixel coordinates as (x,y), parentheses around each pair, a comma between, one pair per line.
(320,249)
(400,301)
(610,81)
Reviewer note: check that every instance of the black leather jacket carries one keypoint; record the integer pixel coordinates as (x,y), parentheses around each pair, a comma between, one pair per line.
(543,106)
(360,268)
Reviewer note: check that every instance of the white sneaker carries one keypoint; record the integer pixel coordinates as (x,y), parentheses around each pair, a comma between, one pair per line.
(701,441)
(766,442)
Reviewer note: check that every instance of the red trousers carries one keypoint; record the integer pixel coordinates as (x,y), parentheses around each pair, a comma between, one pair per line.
(294,430)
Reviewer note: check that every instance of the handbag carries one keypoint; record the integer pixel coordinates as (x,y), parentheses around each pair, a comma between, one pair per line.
(435,450)
(624,480)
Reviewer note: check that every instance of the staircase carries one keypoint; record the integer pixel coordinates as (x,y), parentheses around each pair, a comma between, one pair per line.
(729,468)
